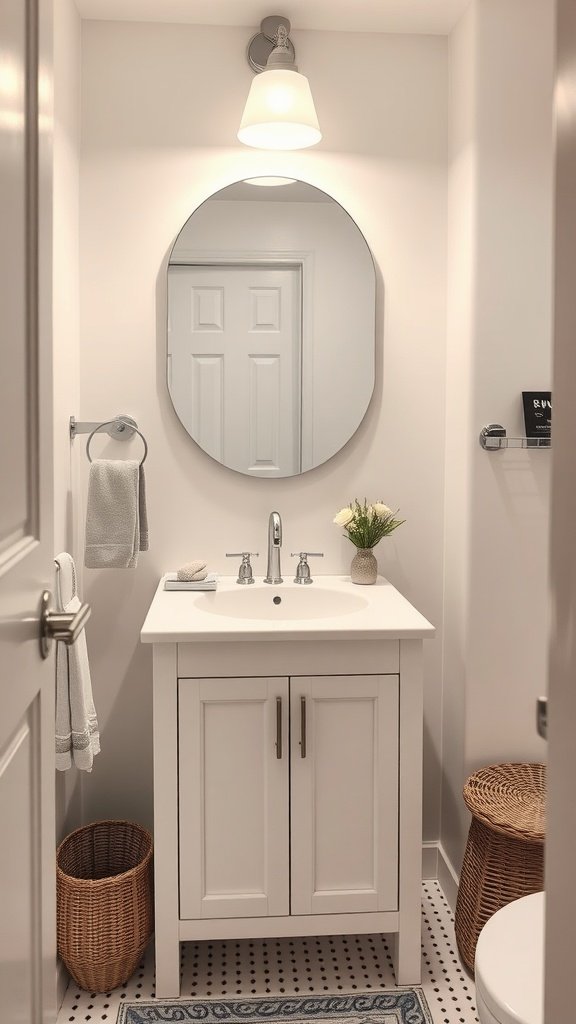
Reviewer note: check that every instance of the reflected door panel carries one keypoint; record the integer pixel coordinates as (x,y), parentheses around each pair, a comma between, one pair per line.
(234,345)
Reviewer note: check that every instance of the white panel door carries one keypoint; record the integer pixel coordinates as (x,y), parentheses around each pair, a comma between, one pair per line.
(27,869)
(344,796)
(234,818)
(235,363)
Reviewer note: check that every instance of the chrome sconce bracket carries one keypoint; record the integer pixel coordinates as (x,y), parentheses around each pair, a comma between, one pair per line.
(261,45)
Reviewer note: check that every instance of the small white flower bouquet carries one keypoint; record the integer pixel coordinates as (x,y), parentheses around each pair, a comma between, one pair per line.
(366,524)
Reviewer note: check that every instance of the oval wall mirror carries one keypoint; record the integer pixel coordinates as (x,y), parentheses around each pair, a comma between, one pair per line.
(271,343)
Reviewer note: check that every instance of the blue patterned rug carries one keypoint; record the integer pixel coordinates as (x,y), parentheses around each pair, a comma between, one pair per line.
(396,1006)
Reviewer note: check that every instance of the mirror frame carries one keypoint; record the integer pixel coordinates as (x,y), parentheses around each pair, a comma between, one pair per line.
(212,257)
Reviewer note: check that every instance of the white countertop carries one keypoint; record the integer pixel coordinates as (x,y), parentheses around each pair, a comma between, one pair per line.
(332,608)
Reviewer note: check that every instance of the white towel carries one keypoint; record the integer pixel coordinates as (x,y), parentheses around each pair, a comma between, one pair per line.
(116,518)
(77,737)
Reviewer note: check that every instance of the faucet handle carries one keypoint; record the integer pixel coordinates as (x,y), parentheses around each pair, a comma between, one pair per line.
(245,570)
(303,569)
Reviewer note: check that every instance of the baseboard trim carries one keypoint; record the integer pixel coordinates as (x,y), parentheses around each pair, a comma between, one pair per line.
(437,866)
(447,877)
(430,860)
(62,979)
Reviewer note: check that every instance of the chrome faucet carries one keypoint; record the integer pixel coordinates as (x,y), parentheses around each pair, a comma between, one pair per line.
(274,545)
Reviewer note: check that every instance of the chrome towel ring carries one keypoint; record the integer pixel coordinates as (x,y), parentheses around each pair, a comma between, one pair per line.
(106,423)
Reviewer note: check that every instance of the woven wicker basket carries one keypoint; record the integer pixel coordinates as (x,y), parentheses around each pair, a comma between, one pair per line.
(504,856)
(104,901)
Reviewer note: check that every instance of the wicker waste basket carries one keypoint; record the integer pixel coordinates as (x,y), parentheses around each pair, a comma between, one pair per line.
(504,856)
(104,902)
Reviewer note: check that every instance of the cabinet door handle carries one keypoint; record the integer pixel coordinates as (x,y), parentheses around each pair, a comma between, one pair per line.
(279,728)
(302,726)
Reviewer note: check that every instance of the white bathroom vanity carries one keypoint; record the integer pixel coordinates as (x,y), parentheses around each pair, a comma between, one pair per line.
(287,765)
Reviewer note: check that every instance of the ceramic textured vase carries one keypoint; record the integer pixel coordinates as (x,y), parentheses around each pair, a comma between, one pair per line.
(364,568)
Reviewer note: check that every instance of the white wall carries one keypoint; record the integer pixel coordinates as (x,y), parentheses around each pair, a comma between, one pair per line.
(161,105)
(499,344)
(66,312)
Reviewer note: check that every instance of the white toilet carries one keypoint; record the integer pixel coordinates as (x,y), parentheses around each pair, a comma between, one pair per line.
(509,964)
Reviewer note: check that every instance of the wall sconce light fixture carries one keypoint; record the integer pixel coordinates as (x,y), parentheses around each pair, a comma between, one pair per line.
(279,111)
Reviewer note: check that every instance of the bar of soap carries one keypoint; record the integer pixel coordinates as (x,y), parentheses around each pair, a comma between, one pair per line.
(192,571)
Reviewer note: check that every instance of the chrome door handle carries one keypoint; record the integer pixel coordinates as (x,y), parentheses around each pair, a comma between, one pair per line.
(279,728)
(60,625)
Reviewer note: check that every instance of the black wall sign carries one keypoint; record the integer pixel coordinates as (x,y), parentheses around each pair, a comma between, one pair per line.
(538,416)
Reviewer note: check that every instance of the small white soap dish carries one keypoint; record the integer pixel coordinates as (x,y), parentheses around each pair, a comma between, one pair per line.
(210,582)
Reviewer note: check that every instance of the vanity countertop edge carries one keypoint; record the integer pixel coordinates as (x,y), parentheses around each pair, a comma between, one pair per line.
(174,617)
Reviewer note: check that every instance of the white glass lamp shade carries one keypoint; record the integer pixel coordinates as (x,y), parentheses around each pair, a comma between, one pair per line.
(279,112)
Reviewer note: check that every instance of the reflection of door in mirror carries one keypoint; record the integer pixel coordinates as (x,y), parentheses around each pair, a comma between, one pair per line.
(271,312)
(234,348)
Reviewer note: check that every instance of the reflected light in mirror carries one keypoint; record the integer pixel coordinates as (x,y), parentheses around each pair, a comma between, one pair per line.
(271,182)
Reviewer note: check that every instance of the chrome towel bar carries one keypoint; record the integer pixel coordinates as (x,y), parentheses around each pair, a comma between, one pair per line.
(134,431)
(121,428)
(493,438)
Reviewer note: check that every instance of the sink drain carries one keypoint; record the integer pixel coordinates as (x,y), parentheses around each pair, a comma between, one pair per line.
(277,600)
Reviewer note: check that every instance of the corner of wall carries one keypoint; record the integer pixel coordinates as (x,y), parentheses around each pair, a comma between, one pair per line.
(66,356)
(461,235)
(499,343)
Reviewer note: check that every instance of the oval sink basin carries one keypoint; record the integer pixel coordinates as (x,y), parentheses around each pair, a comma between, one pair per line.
(281,603)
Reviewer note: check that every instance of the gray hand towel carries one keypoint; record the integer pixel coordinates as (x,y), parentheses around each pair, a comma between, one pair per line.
(77,737)
(142,510)
(116,520)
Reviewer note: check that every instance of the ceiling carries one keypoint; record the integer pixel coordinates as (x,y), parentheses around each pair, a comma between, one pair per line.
(422,16)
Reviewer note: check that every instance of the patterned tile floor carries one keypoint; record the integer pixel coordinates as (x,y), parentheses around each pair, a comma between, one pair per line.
(299,967)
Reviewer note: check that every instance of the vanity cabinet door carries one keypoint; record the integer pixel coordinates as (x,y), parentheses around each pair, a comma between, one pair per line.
(233,797)
(344,803)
